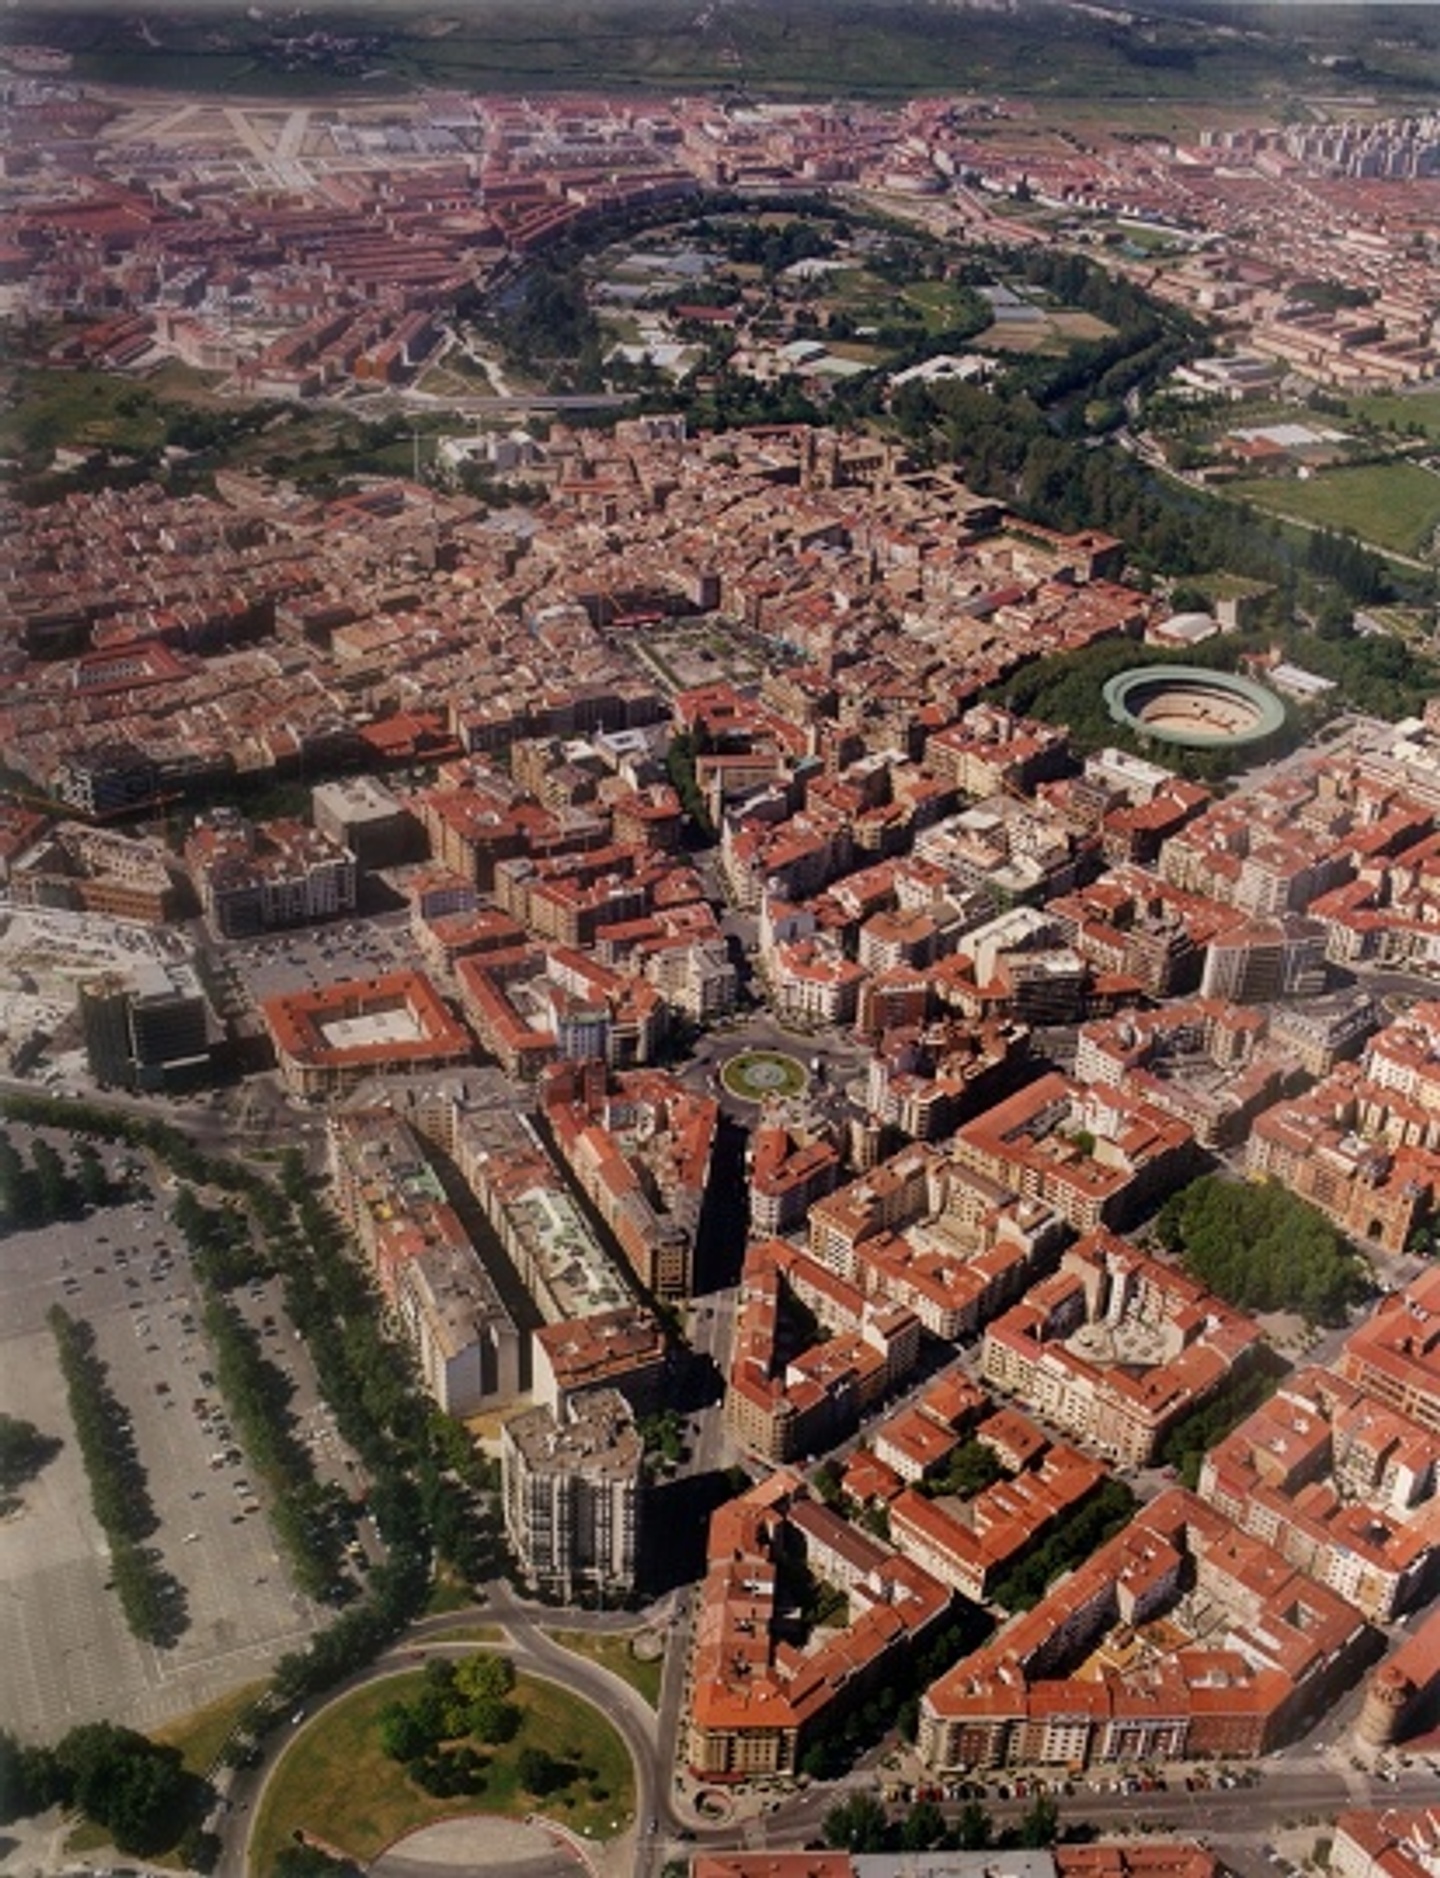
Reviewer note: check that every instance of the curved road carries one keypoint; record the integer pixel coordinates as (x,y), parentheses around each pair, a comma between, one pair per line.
(1301,1784)
(532,1651)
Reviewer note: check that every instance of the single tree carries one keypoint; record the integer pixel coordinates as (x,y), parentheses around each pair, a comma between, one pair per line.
(1040,1823)
(538,1771)
(859,1824)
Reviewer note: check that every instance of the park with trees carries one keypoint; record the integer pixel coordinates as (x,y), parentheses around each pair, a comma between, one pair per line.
(1260,1248)
(467,1730)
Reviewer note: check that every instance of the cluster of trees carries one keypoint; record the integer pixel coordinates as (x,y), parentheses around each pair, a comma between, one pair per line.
(44,1188)
(772,246)
(1024,1584)
(458,1705)
(1262,1249)
(171,1144)
(1376,673)
(153,1601)
(141,427)
(23,1452)
(133,1787)
(224,1251)
(862,1823)
(1068,688)
(897,1705)
(311,1520)
(1185,1446)
(731,400)
(663,1435)
(970,1470)
(407,1445)
(424,1476)
(551,327)
(1339,558)
(680,765)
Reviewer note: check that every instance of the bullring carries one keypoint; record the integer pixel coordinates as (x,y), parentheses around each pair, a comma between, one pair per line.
(1193,707)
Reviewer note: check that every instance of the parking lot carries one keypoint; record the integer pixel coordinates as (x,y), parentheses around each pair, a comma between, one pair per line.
(65,1653)
(298,960)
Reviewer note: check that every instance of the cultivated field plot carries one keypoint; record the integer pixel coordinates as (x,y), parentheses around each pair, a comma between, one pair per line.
(814,47)
(1395,506)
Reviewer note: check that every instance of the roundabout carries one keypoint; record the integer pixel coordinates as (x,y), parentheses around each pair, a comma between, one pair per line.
(757,1075)
(334,1783)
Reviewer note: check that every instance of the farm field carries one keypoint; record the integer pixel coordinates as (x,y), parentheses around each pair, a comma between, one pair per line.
(875,48)
(1394,506)
(1418,409)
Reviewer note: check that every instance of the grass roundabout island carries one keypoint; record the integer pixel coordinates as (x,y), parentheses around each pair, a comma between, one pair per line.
(336,1783)
(752,1075)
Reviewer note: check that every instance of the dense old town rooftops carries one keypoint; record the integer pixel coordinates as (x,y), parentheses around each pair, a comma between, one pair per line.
(931,873)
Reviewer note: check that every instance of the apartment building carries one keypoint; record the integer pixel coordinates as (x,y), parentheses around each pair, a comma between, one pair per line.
(641,1146)
(753,1697)
(252,878)
(969,1544)
(1364,1154)
(329,1039)
(1117,1347)
(386,1189)
(572,1486)
(1099,1156)
(1394,1355)
(1341,1485)
(789,1170)
(625,1350)
(1248,1654)
(782,1401)
(149,1027)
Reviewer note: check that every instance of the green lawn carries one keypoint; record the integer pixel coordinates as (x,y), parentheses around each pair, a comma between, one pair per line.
(755,1074)
(1422,410)
(615,1653)
(449,1594)
(81,409)
(1388,505)
(335,1782)
(464,1633)
(939,300)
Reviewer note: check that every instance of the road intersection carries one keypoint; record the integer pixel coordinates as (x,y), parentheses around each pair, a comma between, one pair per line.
(1305,1783)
